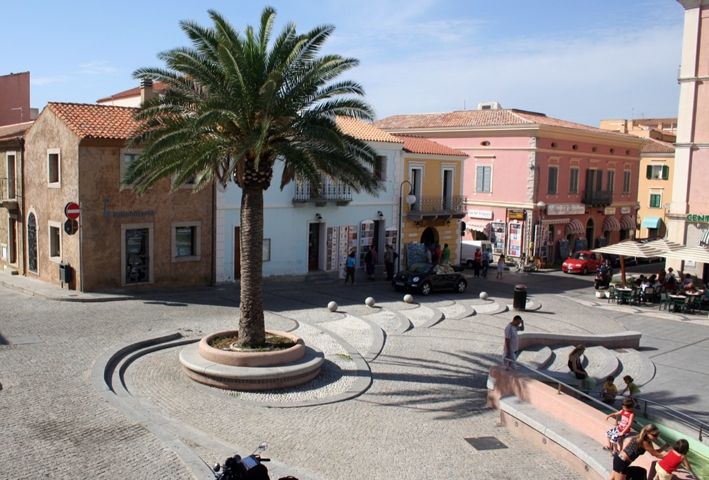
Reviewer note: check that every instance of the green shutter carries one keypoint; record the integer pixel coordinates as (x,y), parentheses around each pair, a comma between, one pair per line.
(665,172)
(648,172)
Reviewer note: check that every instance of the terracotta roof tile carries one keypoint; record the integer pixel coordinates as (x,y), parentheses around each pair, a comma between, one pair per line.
(656,146)
(97,121)
(480,118)
(364,131)
(14,130)
(131,92)
(413,144)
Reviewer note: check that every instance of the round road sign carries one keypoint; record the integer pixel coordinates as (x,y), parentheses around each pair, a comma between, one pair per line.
(72,210)
(71,226)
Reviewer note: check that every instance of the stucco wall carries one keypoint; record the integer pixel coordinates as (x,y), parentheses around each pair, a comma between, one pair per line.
(47,203)
(105,208)
(645,185)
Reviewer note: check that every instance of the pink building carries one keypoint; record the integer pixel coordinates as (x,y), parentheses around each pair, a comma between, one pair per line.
(688,220)
(537,185)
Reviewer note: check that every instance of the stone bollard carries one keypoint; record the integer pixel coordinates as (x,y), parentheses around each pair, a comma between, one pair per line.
(483,295)
(332,306)
(408,298)
(369,301)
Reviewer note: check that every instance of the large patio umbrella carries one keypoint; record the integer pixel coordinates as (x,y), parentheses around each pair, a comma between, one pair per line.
(664,245)
(630,248)
(695,253)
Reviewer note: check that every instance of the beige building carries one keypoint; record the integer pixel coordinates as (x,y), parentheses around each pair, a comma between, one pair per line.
(76,154)
(11,197)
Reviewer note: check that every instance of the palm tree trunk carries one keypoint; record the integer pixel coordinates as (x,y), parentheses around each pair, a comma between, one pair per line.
(252,331)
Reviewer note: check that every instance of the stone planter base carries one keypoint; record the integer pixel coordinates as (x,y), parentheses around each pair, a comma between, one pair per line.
(249,371)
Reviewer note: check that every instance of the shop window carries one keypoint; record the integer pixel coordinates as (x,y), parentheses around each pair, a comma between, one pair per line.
(185,242)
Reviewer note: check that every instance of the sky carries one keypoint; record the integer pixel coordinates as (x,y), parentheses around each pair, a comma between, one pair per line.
(578,60)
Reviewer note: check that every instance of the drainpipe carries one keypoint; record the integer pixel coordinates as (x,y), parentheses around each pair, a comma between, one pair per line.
(21,238)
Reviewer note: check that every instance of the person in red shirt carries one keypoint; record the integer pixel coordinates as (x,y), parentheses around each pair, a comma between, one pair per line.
(674,458)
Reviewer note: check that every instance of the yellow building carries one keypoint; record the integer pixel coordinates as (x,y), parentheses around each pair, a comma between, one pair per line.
(432,201)
(656,169)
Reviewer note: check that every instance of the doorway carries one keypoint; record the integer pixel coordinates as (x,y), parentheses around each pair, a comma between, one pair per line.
(589,233)
(429,237)
(314,247)
(237,252)
(12,240)
(32,243)
(137,248)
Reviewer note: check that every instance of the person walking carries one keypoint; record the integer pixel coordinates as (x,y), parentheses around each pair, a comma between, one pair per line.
(350,264)
(509,352)
(477,262)
(446,255)
(370,261)
(486,264)
(389,258)
(500,266)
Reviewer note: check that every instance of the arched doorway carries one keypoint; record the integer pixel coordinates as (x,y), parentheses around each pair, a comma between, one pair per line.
(589,233)
(32,243)
(429,236)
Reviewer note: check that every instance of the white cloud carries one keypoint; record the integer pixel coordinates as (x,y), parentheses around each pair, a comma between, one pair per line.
(50,80)
(96,67)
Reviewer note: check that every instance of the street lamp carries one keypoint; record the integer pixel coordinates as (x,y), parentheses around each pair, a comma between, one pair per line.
(410,200)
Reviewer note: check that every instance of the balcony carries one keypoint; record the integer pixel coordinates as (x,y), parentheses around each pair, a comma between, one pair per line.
(322,193)
(8,195)
(599,198)
(437,208)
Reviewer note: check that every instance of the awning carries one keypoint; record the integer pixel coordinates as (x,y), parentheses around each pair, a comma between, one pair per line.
(611,224)
(651,222)
(574,227)
(627,223)
(704,241)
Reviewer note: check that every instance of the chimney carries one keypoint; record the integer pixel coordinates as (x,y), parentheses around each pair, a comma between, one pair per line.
(146,90)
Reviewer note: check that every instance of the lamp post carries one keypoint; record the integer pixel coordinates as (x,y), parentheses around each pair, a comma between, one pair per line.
(410,200)
(538,234)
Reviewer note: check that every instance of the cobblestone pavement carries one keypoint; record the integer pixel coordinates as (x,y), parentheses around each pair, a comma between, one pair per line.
(427,392)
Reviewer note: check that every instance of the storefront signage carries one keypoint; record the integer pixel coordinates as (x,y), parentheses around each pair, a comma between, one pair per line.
(695,218)
(625,210)
(487,214)
(566,209)
(515,214)
(609,211)
(125,213)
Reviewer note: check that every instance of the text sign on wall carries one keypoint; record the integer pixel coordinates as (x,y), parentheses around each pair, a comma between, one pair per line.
(624,210)
(694,218)
(487,214)
(609,211)
(566,209)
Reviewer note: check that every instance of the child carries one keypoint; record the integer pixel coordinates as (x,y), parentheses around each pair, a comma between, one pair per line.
(609,390)
(631,388)
(500,266)
(674,458)
(616,434)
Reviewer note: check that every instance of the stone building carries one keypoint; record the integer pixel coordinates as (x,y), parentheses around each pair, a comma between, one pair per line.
(77,153)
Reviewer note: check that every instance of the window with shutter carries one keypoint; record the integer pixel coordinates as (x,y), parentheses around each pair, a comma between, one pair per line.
(665,172)
(648,171)
(483,176)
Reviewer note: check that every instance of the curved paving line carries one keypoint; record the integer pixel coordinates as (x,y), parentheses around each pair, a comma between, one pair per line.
(405,323)
(436,318)
(468,312)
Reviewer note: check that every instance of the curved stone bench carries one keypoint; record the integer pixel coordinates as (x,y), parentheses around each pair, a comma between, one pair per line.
(628,339)
(250,378)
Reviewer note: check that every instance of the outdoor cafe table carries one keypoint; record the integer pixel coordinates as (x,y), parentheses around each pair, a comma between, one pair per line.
(625,294)
(695,300)
(678,302)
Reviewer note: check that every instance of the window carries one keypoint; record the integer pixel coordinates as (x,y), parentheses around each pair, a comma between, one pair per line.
(657,172)
(10,193)
(266,250)
(655,200)
(55,241)
(594,180)
(626,181)
(447,188)
(185,241)
(53,167)
(574,180)
(610,182)
(483,179)
(127,158)
(415,177)
(552,178)
(380,168)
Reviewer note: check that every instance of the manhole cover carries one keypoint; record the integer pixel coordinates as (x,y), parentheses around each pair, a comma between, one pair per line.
(485,443)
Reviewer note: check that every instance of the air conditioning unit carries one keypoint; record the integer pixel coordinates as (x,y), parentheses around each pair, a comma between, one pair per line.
(489,106)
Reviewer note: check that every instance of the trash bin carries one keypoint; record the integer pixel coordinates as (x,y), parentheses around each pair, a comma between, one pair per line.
(519,301)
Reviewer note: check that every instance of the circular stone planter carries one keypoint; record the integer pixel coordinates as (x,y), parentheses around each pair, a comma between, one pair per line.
(249,371)
(251,359)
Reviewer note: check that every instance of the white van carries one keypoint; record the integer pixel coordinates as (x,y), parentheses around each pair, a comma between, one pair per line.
(467,251)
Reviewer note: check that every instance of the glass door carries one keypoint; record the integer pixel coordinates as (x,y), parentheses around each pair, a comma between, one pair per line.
(137,258)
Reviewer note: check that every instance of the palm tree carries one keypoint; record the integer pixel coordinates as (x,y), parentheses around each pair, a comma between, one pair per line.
(236,103)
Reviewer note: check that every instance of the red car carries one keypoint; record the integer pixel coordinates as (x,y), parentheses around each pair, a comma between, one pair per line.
(583,261)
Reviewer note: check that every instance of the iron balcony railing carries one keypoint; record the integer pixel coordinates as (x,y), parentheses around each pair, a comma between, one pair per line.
(453,206)
(598,198)
(328,191)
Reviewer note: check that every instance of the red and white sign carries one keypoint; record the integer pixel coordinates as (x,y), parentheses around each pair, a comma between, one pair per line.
(72,210)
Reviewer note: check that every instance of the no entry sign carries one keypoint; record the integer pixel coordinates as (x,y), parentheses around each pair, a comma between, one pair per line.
(72,210)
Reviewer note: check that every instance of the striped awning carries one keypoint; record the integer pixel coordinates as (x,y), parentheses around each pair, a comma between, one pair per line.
(704,241)
(574,227)
(627,223)
(611,224)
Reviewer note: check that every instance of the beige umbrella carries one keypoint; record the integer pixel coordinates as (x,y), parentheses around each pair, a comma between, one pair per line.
(630,248)
(664,245)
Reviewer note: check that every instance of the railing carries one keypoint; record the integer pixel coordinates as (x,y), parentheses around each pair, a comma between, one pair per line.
(688,421)
(599,198)
(438,205)
(322,192)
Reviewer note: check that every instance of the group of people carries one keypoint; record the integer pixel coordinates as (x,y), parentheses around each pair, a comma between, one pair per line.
(370,263)
(669,458)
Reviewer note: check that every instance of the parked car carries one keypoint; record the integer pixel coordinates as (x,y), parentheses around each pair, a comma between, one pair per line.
(583,262)
(615,260)
(427,278)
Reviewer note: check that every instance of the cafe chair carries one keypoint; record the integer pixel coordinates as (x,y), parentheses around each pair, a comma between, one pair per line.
(664,301)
